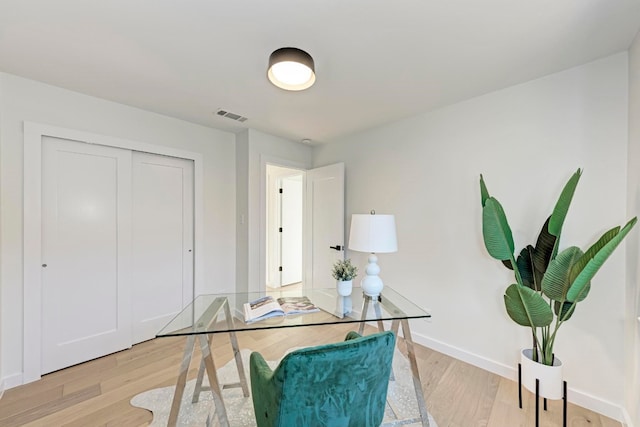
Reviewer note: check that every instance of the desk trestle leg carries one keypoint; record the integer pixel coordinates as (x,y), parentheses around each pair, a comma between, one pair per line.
(210,367)
(417,385)
(207,365)
(182,380)
(365,309)
(406,331)
(242,383)
(198,388)
(236,351)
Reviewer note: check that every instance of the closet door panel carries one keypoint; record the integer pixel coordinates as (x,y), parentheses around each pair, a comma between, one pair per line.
(162,241)
(86,255)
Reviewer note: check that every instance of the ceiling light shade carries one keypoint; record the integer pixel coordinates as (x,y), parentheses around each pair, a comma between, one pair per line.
(291,69)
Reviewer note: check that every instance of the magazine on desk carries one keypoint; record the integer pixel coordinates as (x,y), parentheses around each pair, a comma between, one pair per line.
(268,306)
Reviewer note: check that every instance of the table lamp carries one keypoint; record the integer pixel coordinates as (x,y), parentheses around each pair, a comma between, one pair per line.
(374,234)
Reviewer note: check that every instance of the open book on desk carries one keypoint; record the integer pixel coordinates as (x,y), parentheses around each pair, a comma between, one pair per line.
(268,306)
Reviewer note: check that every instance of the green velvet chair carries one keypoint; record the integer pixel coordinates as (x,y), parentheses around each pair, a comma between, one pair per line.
(333,385)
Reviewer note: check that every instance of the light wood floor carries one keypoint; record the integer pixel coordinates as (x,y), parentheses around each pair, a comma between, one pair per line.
(97,393)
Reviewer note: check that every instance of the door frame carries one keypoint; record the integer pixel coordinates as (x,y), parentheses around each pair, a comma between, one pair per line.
(262,230)
(270,225)
(32,224)
(291,210)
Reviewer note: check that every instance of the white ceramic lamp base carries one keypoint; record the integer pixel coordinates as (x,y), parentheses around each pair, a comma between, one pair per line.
(371,283)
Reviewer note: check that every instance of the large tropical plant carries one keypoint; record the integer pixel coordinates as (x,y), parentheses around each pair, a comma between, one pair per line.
(549,285)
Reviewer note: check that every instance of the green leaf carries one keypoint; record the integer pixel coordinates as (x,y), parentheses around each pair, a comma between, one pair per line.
(526,307)
(496,231)
(598,256)
(544,248)
(484,193)
(563,203)
(592,251)
(556,281)
(525,266)
(568,308)
(555,247)
(507,263)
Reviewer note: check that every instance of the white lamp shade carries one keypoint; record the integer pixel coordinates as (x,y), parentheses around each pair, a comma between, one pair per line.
(373,233)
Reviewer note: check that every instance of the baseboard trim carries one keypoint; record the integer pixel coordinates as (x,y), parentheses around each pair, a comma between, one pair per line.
(11,381)
(627,419)
(577,397)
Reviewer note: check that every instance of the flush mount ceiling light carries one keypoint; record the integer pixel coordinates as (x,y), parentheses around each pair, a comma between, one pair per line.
(291,69)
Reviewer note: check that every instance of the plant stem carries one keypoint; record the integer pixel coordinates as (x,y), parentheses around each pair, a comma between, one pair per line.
(516,271)
(537,347)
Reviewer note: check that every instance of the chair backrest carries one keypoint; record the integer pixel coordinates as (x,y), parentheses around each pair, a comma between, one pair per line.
(336,385)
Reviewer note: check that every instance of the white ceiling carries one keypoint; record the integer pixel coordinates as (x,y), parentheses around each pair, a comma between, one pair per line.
(376,60)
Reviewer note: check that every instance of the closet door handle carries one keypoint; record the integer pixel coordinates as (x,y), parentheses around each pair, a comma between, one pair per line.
(337,247)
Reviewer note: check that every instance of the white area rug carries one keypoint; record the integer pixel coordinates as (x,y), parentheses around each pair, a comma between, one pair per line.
(401,410)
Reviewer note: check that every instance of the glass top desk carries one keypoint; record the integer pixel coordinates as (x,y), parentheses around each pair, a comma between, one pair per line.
(223,313)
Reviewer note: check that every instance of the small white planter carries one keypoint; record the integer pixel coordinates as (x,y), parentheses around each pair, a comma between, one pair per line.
(550,376)
(343,305)
(344,287)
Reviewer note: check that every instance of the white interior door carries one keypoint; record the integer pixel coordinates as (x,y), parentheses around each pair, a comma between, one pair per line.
(291,213)
(325,208)
(86,243)
(162,241)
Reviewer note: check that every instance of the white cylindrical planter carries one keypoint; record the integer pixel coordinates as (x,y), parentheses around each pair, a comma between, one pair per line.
(344,287)
(550,376)
(343,305)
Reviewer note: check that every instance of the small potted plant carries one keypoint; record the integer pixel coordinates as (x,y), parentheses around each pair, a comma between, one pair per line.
(344,272)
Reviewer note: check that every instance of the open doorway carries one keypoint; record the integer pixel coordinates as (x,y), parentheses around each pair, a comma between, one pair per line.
(284,237)
(321,221)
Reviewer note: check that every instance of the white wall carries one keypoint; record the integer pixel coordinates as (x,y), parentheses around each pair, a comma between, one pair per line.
(262,149)
(632,326)
(26,100)
(242,209)
(527,140)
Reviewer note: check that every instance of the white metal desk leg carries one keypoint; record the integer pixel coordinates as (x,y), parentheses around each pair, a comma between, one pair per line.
(417,384)
(182,380)
(198,388)
(395,325)
(376,307)
(365,308)
(236,351)
(210,367)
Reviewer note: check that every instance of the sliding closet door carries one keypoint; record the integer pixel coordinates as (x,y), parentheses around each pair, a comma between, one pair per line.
(117,248)
(162,241)
(86,252)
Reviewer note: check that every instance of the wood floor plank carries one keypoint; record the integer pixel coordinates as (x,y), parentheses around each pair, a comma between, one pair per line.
(21,401)
(505,408)
(432,370)
(120,413)
(51,407)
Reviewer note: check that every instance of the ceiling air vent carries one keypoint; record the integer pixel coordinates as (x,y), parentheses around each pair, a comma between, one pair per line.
(232,116)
